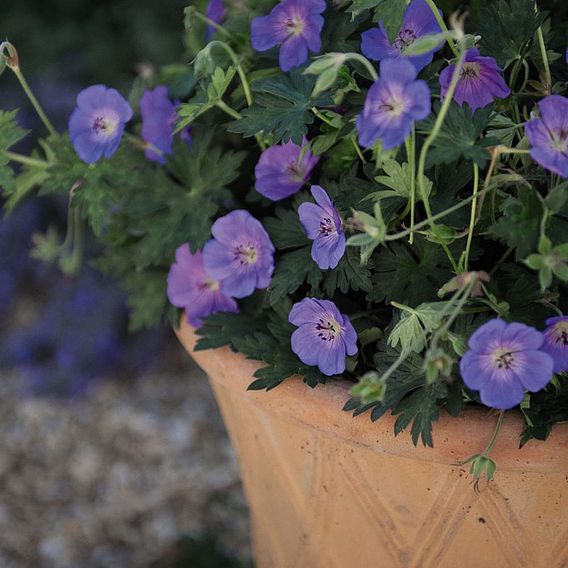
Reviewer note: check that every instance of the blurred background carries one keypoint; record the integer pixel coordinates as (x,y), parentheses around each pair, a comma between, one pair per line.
(112,451)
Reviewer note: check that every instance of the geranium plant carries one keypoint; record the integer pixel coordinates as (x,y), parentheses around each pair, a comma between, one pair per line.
(369,189)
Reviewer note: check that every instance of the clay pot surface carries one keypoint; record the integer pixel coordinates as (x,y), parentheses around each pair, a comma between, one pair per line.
(329,490)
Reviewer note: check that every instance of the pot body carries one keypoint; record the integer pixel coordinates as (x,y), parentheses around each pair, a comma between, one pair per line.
(327,490)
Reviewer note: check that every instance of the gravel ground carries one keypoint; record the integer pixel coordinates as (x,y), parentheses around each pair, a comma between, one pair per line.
(115,479)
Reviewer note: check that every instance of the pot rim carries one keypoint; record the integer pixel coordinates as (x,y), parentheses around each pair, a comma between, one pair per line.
(455,438)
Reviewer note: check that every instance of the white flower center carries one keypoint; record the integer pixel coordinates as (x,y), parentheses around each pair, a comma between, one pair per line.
(328,329)
(559,334)
(503,358)
(246,254)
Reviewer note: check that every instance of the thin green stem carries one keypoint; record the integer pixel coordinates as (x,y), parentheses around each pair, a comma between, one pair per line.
(210,22)
(443,26)
(142,144)
(411,156)
(544,55)
(358,150)
(495,434)
(26,160)
(368,65)
(34,101)
(437,216)
(321,116)
(241,73)
(455,313)
(472,216)
(230,111)
(426,146)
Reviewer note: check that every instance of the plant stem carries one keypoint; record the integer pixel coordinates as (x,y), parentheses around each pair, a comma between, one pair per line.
(544,55)
(456,312)
(26,160)
(411,155)
(443,26)
(241,73)
(231,112)
(495,433)
(472,215)
(34,101)
(358,150)
(321,116)
(437,216)
(426,146)
(210,22)
(368,65)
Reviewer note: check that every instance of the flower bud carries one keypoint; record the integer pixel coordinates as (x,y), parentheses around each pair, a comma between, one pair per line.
(371,388)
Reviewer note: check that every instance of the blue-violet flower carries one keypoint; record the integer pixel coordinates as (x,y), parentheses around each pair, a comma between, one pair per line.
(503,360)
(215,11)
(480,81)
(191,288)
(283,169)
(418,20)
(240,255)
(295,25)
(97,123)
(556,342)
(323,225)
(394,101)
(324,336)
(548,135)
(158,120)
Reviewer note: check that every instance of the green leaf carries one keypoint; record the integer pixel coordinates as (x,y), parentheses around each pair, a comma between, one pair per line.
(519,224)
(285,229)
(460,135)
(507,27)
(281,108)
(349,275)
(10,134)
(413,325)
(545,408)
(422,409)
(409,275)
(391,14)
(291,271)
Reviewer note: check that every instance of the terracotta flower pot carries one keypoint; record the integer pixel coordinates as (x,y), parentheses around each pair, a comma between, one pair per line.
(329,490)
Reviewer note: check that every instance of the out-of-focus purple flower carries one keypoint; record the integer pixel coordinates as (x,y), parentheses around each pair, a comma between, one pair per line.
(190,287)
(158,119)
(418,20)
(394,101)
(215,12)
(97,123)
(324,336)
(240,255)
(295,25)
(158,122)
(556,342)
(548,135)
(283,169)
(323,225)
(480,81)
(503,360)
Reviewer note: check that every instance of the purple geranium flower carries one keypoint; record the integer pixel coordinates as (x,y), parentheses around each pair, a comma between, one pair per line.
(240,255)
(548,135)
(480,81)
(190,287)
(216,13)
(282,170)
(323,225)
(503,360)
(97,123)
(295,25)
(418,20)
(324,336)
(158,120)
(394,101)
(556,342)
